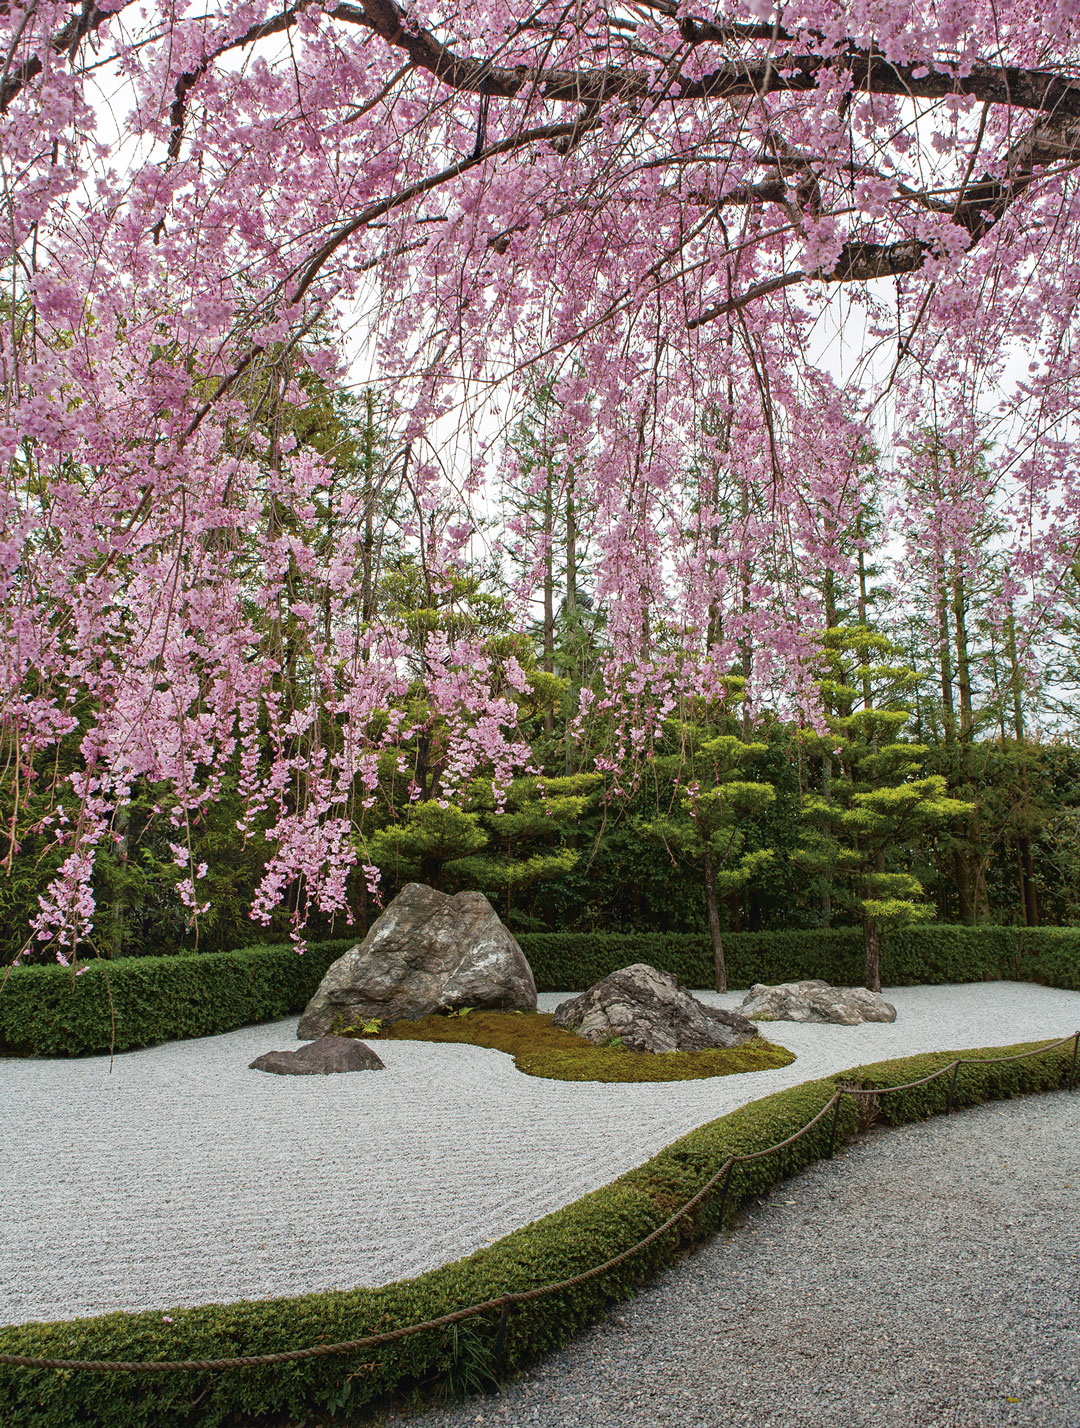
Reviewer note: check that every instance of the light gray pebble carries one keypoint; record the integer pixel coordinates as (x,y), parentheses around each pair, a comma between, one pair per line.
(927,1278)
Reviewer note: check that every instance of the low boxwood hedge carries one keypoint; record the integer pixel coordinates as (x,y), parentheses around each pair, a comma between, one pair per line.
(590,1231)
(572,961)
(910,956)
(137,1001)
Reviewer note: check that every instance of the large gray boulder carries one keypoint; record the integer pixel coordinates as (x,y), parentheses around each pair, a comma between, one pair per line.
(320,1058)
(648,1011)
(814,1000)
(427,952)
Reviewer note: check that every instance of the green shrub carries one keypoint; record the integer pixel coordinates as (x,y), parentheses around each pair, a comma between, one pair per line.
(933,953)
(590,1231)
(136,1001)
(1050,955)
(572,961)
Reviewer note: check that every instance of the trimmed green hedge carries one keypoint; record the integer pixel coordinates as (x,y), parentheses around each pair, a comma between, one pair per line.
(593,1229)
(572,961)
(136,1001)
(1050,955)
(910,956)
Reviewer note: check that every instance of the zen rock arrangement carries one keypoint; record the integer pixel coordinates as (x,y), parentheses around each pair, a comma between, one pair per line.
(814,1000)
(320,1058)
(647,1010)
(431,953)
(427,952)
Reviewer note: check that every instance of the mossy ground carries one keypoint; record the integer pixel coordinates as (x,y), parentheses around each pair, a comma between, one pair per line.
(540,1048)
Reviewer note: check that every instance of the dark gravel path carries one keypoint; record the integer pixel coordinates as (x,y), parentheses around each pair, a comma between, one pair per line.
(927,1278)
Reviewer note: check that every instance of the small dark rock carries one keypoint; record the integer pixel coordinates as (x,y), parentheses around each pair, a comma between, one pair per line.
(320,1058)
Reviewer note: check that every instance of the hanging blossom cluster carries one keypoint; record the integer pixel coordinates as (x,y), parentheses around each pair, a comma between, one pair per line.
(655,206)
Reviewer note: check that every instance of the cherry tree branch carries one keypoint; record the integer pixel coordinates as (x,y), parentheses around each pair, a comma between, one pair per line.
(869,70)
(66,40)
(542,133)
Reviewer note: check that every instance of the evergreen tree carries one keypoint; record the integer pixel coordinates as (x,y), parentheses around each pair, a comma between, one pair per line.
(430,835)
(706,822)
(878,807)
(528,837)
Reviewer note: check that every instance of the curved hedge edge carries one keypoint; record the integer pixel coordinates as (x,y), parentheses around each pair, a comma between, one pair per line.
(589,1231)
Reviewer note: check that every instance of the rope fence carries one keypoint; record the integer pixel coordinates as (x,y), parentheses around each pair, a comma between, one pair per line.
(505,1303)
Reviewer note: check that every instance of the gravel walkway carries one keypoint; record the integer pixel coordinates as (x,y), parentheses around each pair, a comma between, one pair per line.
(927,1278)
(179,1177)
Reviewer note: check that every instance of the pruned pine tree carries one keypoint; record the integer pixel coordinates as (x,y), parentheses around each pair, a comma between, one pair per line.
(707,822)
(430,835)
(878,807)
(529,836)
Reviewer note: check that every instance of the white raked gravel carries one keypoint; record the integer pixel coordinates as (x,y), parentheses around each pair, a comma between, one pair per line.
(177,1176)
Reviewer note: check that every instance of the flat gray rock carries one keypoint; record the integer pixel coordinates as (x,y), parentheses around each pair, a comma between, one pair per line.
(428,952)
(814,1000)
(647,1010)
(320,1058)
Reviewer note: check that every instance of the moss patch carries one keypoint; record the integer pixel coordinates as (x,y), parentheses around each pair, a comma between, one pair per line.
(540,1048)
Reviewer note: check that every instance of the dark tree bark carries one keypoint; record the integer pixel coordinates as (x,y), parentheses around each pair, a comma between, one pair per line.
(872,945)
(714,921)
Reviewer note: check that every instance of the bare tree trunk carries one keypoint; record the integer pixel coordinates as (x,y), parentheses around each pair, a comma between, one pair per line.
(549,588)
(868,702)
(948,706)
(913,660)
(367,591)
(121,823)
(965,903)
(831,622)
(945,655)
(826,789)
(735,908)
(872,944)
(575,668)
(1031,893)
(1029,897)
(872,936)
(970,890)
(714,922)
(746,646)
(963,665)
(571,550)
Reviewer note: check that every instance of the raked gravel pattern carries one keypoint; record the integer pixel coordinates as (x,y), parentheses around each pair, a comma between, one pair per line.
(927,1278)
(177,1176)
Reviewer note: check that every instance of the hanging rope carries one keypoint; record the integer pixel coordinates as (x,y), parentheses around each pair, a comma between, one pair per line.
(506,1302)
